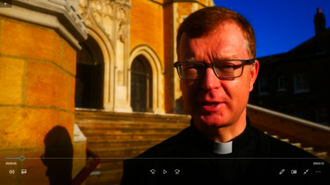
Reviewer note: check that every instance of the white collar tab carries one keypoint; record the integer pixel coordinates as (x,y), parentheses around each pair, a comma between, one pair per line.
(223,148)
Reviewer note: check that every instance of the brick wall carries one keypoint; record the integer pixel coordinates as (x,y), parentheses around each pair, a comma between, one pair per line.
(147,26)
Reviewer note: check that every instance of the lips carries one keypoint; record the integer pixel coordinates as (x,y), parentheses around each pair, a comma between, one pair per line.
(211,106)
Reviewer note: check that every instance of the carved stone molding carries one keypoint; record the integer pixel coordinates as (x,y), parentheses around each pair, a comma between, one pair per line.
(128,2)
(110,16)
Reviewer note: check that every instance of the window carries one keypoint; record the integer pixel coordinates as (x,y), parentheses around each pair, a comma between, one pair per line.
(280,82)
(301,83)
(263,89)
(141,85)
(299,114)
(322,116)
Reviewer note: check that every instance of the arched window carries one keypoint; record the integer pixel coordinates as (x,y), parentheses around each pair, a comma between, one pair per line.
(141,96)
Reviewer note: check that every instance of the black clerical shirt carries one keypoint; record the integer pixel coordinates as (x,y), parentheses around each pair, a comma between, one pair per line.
(252,158)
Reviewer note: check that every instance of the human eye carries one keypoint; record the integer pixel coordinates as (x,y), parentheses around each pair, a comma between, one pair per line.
(228,65)
(192,70)
(192,67)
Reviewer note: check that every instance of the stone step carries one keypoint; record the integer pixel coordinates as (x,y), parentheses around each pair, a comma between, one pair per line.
(321,155)
(136,120)
(118,137)
(130,130)
(296,144)
(120,152)
(128,124)
(130,116)
(123,142)
(285,140)
(308,149)
(275,136)
(128,136)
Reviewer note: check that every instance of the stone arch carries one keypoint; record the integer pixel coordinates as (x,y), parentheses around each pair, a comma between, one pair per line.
(89,75)
(108,57)
(157,75)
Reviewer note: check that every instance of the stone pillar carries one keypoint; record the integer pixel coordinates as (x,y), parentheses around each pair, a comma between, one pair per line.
(38,44)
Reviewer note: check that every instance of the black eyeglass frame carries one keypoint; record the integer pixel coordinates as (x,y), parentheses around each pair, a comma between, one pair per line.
(244,62)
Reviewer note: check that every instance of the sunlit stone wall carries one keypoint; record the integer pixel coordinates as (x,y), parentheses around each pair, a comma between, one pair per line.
(38,44)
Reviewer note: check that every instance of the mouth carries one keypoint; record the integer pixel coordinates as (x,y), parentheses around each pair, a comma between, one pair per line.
(211,107)
(212,104)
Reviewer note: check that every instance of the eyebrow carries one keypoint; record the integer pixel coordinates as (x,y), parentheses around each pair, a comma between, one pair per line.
(228,57)
(191,59)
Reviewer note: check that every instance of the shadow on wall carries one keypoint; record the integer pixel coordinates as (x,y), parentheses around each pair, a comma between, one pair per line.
(58,156)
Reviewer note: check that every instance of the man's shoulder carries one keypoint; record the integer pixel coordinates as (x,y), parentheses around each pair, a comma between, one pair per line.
(169,146)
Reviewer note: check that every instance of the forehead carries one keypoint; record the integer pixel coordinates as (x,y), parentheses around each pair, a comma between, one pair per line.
(225,42)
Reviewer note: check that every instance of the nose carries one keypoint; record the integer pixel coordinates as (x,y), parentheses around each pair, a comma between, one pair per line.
(210,80)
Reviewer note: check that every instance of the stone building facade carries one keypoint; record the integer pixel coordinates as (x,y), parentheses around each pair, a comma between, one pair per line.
(134,53)
(122,51)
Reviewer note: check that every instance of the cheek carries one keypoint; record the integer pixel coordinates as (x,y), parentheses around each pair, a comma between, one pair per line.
(189,92)
(236,90)
(242,90)
(185,88)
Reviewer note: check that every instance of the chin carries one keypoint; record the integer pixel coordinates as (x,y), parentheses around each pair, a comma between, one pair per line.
(214,121)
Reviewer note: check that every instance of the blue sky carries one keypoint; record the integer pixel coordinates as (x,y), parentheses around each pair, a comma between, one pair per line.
(279,25)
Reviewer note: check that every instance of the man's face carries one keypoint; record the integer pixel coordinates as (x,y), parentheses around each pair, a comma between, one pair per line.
(213,102)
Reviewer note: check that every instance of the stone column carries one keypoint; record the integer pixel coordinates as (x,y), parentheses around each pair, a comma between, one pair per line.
(38,44)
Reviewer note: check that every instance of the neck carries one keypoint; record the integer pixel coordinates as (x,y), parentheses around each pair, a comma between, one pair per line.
(226,133)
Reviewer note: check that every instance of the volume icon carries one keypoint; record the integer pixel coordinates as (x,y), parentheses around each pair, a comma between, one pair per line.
(12,171)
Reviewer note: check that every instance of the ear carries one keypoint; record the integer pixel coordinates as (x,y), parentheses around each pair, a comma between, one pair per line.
(254,74)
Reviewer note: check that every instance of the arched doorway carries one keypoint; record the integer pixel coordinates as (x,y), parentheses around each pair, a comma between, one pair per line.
(141,85)
(90,75)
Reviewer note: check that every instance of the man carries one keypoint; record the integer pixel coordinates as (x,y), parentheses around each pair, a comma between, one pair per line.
(216,63)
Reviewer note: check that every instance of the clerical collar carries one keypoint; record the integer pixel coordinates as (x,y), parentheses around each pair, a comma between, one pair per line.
(224,148)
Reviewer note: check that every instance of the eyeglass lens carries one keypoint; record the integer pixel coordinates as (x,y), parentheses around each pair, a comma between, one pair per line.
(226,69)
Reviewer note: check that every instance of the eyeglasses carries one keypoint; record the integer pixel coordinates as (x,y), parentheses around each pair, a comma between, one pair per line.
(224,69)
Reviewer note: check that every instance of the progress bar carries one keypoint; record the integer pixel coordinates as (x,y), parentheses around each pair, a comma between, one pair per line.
(21,158)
